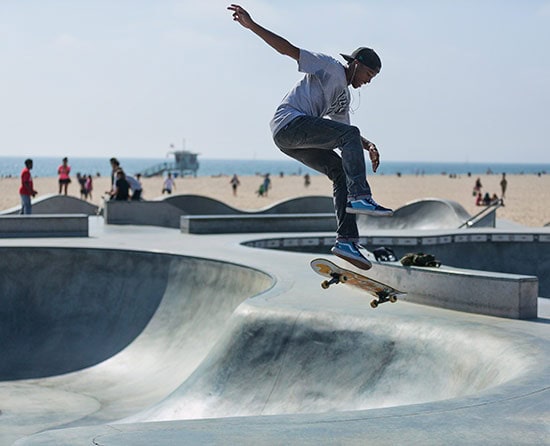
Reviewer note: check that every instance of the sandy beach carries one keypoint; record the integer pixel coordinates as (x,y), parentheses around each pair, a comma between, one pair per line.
(527,200)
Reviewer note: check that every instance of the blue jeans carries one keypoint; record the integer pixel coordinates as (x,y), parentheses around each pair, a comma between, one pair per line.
(26,207)
(312,141)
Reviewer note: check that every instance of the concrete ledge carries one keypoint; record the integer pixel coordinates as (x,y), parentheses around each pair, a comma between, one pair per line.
(232,224)
(50,225)
(490,293)
(494,294)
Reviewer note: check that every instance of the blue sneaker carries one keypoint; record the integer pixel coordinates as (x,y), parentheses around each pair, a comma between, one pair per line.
(369,207)
(349,251)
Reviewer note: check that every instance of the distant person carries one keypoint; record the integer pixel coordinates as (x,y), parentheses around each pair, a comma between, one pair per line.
(82,182)
(479,199)
(307,180)
(89,186)
(486,199)
(267,184)
(64,178)
(477,187)
(115,165)
(234,184)
(313,121)
(261,190)
(495,199)
(503,185)
(168,185)
(135,186)
(121,188)
(26,190)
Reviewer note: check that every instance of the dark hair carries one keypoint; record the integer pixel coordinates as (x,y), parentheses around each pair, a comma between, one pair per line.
(28,162)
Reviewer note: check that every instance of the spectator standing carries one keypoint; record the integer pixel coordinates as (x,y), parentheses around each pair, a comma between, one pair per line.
(503,185)
(64,178)
(26,190)
(169,184)
(89,186)
(82,182)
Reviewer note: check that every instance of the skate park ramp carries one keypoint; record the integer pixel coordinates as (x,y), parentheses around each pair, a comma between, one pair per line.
(200,205)
(119,336)
(57,204)
(428,213)
(272,363)
(68,309)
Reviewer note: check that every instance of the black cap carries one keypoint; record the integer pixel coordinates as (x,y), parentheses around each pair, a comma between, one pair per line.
(367,56)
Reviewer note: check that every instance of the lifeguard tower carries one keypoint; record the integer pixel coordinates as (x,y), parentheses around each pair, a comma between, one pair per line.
(186,163)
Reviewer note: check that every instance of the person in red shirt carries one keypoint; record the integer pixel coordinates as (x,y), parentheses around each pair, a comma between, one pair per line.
(26,190)
(64,179)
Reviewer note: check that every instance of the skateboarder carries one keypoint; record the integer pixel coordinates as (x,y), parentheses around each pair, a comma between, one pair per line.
(313,120)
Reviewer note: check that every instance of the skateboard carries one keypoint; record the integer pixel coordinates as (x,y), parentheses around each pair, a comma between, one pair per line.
(335,274)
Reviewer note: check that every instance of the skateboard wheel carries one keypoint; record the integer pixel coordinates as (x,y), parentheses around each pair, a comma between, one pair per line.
(393,299)
(343,279)
(325,284)
(374,304)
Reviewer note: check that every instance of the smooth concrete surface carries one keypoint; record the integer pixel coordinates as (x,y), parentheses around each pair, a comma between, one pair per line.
(57,204)
(288,363)
(239,224)
(44,225)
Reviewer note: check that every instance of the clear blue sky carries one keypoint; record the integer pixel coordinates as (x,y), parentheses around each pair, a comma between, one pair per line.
(461,80)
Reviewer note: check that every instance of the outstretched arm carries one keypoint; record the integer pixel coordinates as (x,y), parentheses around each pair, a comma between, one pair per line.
(280,44)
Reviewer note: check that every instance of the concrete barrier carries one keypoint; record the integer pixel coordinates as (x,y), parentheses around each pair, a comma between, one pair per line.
(143,213)
(481,292)
(166,212)
(233,224)
(47,225)
(511,296)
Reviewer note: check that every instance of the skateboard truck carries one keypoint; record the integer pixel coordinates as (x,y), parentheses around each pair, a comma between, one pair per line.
(383,296)
(335,278)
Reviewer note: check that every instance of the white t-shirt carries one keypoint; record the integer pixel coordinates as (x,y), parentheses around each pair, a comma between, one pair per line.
(323,91)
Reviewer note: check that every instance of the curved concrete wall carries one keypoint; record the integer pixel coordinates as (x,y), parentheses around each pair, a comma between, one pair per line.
(66,309)
(57,204)
(167,212)
(277,362)
(428,213)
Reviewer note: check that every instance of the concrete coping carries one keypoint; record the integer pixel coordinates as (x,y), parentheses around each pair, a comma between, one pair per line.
(44,225)
(254,223)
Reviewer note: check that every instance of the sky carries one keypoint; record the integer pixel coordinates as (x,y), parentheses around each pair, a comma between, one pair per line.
(461,81)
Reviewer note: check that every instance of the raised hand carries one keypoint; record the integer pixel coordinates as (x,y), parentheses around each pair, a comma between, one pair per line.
(241,15)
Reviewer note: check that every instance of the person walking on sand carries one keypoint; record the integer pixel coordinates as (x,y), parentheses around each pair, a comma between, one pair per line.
(168,185)
(503,185)
(26,190)
(234,184)
(314,119)
(64,179)
(267,184)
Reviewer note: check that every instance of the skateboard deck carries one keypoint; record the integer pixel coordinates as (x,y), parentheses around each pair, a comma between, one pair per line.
(382,292)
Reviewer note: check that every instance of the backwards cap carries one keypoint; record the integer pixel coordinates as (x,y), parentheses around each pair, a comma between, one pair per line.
(367,56)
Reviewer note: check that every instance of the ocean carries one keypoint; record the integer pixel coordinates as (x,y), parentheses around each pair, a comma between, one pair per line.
(47,167)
